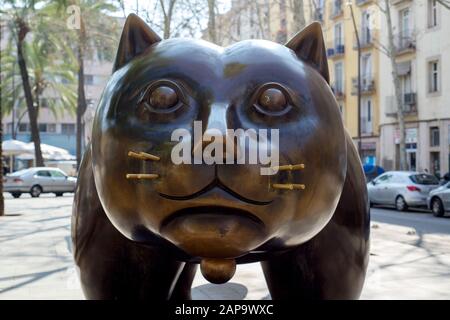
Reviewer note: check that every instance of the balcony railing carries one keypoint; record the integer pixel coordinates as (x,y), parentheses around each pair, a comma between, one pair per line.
(335,49)
(336,9)
(405,41)
(367,85)
(362,2)
(338,90)
(367,38)
(409,104)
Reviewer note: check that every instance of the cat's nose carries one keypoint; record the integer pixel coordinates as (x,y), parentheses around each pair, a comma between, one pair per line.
(216,129)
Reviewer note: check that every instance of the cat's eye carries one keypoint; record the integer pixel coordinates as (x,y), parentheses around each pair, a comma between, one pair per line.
(162,96)
(272,99)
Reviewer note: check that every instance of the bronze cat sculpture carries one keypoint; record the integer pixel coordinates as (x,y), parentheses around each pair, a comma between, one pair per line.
(141,223)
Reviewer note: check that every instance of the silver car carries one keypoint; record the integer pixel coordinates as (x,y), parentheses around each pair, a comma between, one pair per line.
(38,180)
(439,200)
(402,189)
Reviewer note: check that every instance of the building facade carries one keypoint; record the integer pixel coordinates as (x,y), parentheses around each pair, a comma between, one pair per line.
(423,65)
(342,52)
(58,130)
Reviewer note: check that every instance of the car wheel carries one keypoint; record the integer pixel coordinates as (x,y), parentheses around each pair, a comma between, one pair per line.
(400,204)
(35,191)
(58,194)
(16,194)
(437,207)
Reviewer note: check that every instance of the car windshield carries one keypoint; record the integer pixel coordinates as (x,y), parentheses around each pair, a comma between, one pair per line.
(424,179)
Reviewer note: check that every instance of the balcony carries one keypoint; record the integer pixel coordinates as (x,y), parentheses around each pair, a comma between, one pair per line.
(336,9)
(338,90)
(363,2)
(367,38)
(405,42)
(409,105)
(335,50)
(367,85)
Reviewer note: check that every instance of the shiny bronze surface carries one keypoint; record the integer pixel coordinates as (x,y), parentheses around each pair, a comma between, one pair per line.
(137,214)
(218,270)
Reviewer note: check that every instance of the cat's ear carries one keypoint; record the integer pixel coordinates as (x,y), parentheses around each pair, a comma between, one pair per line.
(309,46)
(136,37)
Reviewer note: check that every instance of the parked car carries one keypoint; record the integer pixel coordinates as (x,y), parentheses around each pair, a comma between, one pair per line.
(439,200)
(402,189)
(38,180)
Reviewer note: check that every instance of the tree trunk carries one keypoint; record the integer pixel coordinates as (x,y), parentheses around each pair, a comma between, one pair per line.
(397,90)
(212,21)
(81,100)
(23,30)
(299,15)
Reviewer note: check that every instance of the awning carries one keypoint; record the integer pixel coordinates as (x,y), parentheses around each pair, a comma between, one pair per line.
(403,68)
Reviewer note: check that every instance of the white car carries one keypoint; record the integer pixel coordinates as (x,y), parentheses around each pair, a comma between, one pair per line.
(402,188)
(38,180)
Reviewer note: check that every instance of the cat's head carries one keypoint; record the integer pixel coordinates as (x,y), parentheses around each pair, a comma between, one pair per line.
(218,210)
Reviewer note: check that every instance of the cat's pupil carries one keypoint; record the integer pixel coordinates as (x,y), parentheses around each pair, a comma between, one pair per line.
(163,97)
(272,99)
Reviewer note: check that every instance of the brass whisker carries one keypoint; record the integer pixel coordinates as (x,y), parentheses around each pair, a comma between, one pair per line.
(289,167)
(289,186)
(143,156)
(148,176)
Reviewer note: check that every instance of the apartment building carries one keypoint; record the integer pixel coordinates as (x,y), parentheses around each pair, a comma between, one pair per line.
(342,52)
(423,64)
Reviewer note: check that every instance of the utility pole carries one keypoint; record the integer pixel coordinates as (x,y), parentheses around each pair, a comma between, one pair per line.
(358,43)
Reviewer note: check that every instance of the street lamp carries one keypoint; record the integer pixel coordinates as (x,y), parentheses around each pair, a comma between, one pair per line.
(350,5)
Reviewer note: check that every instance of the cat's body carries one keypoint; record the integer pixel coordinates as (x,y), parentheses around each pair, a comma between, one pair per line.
(143,238)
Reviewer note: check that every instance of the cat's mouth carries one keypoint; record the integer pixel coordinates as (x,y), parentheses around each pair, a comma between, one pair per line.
(216,184)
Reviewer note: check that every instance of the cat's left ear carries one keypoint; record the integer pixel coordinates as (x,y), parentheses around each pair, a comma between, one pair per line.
(309,46)
(136,37)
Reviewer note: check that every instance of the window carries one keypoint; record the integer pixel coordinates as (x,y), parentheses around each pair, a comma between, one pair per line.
(24,127)
(68,128)
(43,127)
(433,70)
(405,32)
(434,137)
(339,78)
(384,178)
(58,174)
(51,127)
(366,36)
(366,116)
(43,174)
(432,14)
(338,36)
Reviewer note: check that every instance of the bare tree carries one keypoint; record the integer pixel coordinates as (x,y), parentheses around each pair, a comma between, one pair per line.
(167,10)
(299,15)
(212,21)
(392,53)
(445,3)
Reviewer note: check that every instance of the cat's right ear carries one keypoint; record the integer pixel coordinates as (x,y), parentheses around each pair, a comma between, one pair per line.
(136,37)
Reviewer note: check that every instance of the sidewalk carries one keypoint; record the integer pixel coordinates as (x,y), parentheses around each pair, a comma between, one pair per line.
(36,259)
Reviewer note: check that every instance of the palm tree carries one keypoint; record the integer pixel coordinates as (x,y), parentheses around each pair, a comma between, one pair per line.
(52,79)
(98,35)
(21,16)
(47,75)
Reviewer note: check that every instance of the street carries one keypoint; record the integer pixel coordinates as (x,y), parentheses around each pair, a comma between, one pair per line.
(409,259)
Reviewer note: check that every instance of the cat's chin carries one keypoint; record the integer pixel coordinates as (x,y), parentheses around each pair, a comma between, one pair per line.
(215,234)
